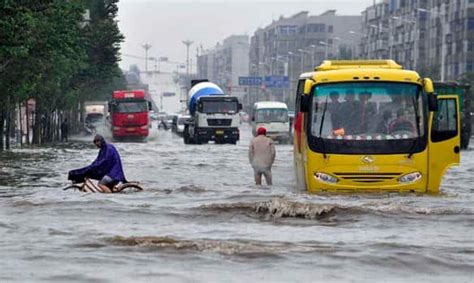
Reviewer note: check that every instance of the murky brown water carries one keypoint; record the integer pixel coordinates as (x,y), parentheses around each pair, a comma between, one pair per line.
(201,219)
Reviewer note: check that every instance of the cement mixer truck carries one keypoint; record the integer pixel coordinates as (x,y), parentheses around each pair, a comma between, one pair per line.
(214,115)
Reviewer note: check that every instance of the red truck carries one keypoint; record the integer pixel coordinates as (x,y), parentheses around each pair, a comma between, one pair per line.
(129,114)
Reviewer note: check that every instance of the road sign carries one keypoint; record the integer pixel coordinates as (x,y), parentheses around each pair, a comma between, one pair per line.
(250,81)
(277,82)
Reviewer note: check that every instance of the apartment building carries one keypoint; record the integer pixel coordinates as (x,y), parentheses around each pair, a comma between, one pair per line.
(434,37)
(225,63)
(292,45)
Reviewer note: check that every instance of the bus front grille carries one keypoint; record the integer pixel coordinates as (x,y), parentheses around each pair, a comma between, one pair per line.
(367,177)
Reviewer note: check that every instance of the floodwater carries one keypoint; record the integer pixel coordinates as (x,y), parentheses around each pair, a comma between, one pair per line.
(201,219)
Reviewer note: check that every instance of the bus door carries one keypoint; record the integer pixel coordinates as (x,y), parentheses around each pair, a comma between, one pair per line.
(444,145)
(298,136)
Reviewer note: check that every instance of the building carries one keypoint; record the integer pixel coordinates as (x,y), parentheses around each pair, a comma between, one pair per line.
(225,63)
(434,37)
(292,45)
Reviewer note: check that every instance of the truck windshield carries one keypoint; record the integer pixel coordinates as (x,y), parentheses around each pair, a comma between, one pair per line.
(368,111)
(271,115)
(219,107)
(131,107)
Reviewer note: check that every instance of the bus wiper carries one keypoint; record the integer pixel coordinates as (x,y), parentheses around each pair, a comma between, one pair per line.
(321,127)
(417,118)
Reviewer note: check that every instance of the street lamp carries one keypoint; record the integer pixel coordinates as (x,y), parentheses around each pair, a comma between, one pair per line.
(313,49)
(415,39)
(362,35)
(443,41)
(326,49)
(302,51)
(187,43)
(382,28)
(337,39)
(146,46)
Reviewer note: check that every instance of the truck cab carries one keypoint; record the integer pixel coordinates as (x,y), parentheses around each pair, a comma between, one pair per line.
(129,114)
(214,115)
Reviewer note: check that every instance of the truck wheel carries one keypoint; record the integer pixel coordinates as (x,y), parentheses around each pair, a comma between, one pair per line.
(186,137)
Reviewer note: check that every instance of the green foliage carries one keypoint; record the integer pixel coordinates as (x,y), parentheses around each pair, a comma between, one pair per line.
(49,53)
(46,52)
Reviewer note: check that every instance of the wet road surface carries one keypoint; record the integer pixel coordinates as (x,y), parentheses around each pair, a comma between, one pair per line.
(201,219)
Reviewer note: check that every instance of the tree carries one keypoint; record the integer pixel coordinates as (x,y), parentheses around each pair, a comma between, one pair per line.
(47,53)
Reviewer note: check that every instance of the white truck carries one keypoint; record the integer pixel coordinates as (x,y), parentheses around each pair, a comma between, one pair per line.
(273,116)
(94,115)
(214,115)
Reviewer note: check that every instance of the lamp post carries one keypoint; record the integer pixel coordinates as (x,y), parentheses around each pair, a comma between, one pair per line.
(302,51)
(356,33)
(389,34)
(313,50)
(146,46)
(443,41)
(188,44)
(415,38)
(337,39)
(326,45)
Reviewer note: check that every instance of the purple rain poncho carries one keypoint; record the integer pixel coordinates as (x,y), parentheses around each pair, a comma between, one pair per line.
(107,163)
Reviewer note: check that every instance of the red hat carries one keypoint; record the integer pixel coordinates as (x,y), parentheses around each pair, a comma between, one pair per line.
(261,131)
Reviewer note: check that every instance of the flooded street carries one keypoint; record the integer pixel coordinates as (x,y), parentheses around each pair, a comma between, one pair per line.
(201,219)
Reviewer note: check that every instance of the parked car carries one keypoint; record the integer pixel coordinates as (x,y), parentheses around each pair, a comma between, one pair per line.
(179,128)
(244,117)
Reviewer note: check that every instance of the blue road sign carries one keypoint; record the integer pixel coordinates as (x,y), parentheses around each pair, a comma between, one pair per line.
(255,81)
(277,82)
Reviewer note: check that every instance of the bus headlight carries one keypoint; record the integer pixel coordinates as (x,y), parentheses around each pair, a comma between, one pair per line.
(326,178)
(410,178)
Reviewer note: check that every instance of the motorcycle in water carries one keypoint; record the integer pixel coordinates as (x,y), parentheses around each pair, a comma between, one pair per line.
(89,187)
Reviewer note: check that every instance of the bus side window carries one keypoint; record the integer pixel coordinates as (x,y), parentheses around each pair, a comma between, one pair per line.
(445,121)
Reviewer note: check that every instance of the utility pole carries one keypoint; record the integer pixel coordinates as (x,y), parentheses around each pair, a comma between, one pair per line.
(188,44)
(444,31)
(146,46)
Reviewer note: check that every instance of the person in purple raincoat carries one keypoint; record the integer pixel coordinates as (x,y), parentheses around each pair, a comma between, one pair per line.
(107,167)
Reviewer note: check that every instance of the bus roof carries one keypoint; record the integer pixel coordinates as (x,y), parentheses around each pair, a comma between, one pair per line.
(328,65)
(360,70)
(269,104)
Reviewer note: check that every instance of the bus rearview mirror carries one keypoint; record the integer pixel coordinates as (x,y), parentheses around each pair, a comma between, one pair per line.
(304,104)
(432,102)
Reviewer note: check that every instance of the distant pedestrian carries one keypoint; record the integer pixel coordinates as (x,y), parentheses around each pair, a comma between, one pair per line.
(64,130)
(262,156)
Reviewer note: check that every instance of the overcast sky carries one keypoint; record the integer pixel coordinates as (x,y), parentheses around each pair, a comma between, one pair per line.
(166,23)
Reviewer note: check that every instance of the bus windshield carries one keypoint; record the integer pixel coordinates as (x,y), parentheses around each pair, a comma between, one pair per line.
(269,115)
(367,111)
(219,106)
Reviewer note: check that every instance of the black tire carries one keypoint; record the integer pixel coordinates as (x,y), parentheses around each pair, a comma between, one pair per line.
(125,186)
(197,139)
(186,136)
(74,186)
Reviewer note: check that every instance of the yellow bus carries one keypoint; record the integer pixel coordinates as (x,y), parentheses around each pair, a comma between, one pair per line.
(370,126)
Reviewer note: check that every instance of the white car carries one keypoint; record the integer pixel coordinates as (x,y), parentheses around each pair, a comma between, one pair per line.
(180,123)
